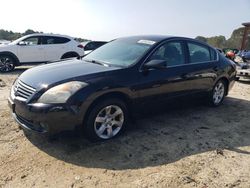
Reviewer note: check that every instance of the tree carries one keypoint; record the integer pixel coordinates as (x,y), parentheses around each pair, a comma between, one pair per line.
(29,31)
(236,38)
(217,41)
(9,35)
(221,42)
(201,38)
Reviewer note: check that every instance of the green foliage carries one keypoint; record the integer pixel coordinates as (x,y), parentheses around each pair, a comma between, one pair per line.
(30,31)
(236,38)
(217,41)
(9,35)
(221,42)
(201,38)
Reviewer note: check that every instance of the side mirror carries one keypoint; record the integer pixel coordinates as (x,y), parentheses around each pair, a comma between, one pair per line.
(155,64)
(22,43)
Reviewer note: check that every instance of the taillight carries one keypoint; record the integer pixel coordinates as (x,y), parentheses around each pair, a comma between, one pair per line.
(80,46)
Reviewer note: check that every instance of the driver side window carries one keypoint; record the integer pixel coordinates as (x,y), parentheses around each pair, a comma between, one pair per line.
(171,52)
(31,41)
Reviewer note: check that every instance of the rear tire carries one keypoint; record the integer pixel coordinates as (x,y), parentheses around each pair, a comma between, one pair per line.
(106,120)
(7,63)
(217,95)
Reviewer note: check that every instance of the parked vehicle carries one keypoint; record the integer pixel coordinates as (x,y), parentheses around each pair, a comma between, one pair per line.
(245,55)
(92,45)
(243,68)
(4,42)
(38,48)
(98,91)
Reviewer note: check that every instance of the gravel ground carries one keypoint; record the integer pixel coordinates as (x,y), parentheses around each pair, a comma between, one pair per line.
(190,145)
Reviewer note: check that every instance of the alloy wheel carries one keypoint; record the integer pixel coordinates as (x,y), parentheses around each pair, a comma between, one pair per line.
(219,92)
(6,64)
(109,121)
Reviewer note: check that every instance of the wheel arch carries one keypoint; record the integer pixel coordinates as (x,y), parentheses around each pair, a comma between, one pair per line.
(73,53)
(226,80)
(114,94)
(17,62)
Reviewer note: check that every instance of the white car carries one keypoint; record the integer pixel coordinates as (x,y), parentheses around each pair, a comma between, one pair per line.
(38,48)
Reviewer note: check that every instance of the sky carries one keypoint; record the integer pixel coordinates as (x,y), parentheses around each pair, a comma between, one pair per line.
(109,19)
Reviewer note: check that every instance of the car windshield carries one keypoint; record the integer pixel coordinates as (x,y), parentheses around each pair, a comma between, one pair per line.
(121,52)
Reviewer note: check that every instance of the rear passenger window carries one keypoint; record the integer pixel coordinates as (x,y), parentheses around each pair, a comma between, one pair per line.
(198,53)
(213,54)
(55,40)
(61,40)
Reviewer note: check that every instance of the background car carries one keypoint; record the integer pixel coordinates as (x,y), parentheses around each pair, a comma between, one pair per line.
(92,45)
(245,55)
(4,42)
(100,91)
(38,48)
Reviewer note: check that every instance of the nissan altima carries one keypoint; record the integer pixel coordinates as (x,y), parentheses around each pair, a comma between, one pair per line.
(98,91)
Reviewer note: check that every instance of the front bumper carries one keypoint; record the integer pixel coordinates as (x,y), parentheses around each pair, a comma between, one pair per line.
(45,118)
(244,73)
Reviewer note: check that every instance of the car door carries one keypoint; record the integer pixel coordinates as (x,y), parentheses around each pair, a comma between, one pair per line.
(202,66)
(54,47)
(167,82)
(31,50)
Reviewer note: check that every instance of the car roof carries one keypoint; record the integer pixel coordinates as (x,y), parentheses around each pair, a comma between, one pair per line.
(48,34)
(160,38)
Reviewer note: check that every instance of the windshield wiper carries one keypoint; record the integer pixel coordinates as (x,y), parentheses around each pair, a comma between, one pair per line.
(97,62)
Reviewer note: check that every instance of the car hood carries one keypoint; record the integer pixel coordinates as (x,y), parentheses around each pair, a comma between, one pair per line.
(5,46)
(54,73)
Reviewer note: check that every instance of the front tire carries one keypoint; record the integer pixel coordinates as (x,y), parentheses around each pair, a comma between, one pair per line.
(217,95)
(7,63)
(106,120)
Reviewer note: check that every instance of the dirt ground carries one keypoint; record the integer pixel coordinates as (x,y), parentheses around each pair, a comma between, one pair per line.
(190,145)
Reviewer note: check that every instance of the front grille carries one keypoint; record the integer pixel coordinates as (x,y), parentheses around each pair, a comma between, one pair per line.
(23,90)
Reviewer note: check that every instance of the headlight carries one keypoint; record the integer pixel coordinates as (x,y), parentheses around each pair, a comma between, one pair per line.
(61,93)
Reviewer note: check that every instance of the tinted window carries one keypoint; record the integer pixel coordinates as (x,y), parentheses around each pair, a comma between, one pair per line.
(90,46)
(172,52)
(213,54)
(100,44)
(93,45)
(31,41)
(55,40)
(61,40)
(198,53)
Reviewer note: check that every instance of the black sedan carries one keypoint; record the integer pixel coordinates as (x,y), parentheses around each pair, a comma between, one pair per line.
(98,91)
